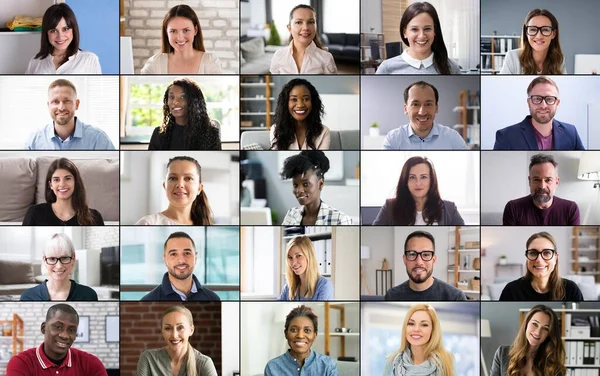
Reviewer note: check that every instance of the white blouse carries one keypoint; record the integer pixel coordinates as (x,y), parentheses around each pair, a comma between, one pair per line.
(157,219)
(315,61)
(159,64)
(83,62)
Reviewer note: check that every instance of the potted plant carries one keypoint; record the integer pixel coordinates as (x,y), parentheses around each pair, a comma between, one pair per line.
(503,260)
(374,130)
(385,265)
(274,39)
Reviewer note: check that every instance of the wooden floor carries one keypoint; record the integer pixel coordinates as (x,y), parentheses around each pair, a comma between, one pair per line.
(347,68)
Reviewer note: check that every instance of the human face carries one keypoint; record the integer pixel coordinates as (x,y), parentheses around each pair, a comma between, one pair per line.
(299,103)
(419,271)
(303,26)
(540,268)
(62,184)
(543,113)
(419,180)
(182,184)
(180,258)
(60,37)
(420,34)
(296,260)
(300,336)
(307,188)
(421,109)
(59,334)
(59,271)
(540,42)
(543,181)
(418,329)
(177,102)
(62,104)
(538,329)
(181,32)
(176,331)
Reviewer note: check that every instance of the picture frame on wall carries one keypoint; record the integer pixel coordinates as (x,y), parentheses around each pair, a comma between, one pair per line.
(83,330)
(112,329)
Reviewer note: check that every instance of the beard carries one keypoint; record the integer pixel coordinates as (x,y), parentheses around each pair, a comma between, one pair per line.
(418,279)
(542,118)
(541,196)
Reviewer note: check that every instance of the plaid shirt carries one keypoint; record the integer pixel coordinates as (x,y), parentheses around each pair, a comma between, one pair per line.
(327,216)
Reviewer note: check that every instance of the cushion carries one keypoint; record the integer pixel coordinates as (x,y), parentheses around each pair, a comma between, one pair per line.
(15,272)
(337,38)
(253,146)
(100,178)
(18,187)
(353,40)
(252,49)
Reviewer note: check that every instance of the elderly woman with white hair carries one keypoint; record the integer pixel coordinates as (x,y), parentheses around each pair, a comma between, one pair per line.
(59,259)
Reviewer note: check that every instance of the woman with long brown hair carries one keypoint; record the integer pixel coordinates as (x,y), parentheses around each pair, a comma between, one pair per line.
(540,52)
(542,282)
(418,200)
(538,349)
(66,201)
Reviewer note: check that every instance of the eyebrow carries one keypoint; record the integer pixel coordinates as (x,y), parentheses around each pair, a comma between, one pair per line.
(547,326)
(175,250)
(66,176)
(427,321)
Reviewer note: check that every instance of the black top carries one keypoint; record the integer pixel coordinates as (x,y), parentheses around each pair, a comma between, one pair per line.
(210,141)
(77,292)
(521,290)
(165,292)
(42,215)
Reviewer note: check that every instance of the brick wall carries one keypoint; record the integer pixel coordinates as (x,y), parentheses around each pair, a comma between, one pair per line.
(140,330)
(34,313)
(219,20)
(98,237)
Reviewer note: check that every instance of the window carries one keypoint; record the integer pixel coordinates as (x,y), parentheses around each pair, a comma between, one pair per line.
(280,10)
(341,16)
(259,262)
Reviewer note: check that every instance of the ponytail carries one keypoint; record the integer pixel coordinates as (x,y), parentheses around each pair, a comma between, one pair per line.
(201,213)
(190,362)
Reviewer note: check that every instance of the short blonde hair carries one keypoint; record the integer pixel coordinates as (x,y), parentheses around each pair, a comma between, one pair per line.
(59,242)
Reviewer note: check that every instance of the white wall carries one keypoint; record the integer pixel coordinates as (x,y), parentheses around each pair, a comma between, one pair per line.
(346,257)
(230,334)
(370,16)
(380,241)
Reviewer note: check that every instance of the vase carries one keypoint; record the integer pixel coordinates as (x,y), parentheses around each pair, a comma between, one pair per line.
(373,132)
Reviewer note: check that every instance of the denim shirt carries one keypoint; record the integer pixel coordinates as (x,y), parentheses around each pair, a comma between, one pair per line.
(314,365)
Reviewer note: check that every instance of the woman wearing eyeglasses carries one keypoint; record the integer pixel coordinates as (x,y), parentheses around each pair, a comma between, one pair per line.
(542,282)
(59,258)
(541,52)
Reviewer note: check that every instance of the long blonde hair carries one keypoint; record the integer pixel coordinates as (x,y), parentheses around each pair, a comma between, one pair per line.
(550,356)
(312,269)
(556,284)
(190,357)
(434,349)
(554,59)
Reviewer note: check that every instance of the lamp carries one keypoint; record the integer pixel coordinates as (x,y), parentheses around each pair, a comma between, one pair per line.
(589,169)
(485,333)
(365,254)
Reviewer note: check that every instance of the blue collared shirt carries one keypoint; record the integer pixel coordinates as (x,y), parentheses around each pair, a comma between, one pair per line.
(183,295)
(85,137)
(441,137)
(314,365)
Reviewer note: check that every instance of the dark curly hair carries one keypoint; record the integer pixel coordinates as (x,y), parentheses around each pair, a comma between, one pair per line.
(307,160)
(51,18)
(200,132)
(404,208)
(285,130)
(201,213)
(301,311)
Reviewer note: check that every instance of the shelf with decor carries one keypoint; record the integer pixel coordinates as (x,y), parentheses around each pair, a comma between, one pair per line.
(13,331)
(464,251)
(585,251)
(329,327)
(493,51)
(372,51)
(256,102)
(468,125)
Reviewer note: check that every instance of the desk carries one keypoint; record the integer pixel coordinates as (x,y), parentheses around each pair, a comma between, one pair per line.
(372,143)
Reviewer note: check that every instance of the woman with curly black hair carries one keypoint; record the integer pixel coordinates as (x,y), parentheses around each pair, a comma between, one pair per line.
(307,171)
(186,125)
(298,119)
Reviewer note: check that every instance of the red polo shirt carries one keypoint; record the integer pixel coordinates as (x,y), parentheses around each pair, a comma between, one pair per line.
(34,362)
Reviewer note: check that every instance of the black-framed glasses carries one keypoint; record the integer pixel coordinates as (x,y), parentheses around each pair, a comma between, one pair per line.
(537,99)
(545,30)
(425,255)
(63,260)
(533,254)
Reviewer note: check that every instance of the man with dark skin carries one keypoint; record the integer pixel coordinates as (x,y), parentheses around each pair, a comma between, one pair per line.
(55,355)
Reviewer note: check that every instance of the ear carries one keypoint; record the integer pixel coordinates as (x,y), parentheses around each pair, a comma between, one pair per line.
(557,180)
(77,104)
(434,259)
(404,259)
(43,328)
(200,188)
(405,109)
(164,187)
(289,28)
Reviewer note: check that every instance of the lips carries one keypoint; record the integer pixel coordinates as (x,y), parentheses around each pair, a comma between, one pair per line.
(63,345)
(416,336)
(419,270)
(421,42)
(180,194)
(181,267)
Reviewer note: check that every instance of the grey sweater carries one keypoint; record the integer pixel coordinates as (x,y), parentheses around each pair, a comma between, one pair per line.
(500,363)
(156,362)
(450,215)
(440,290)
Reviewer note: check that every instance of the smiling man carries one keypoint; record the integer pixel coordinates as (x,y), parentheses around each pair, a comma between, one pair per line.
(419,258)
(179,282)
(422,133)
(55,355)
(66,132)
(539,130)
(541,207)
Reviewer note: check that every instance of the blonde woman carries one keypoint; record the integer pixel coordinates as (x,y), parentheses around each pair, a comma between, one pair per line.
(421,351)
(302,273)
(178,357)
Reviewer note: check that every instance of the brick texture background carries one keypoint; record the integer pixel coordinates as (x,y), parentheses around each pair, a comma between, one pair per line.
(219,20)
(98,237)
(140,330)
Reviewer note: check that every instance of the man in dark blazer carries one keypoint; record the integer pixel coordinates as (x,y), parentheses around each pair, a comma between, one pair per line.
(539,130)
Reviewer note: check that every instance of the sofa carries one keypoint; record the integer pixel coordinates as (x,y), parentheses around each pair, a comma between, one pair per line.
(340,140)
(23,185)
(343,47)
(256,56)
(18,276)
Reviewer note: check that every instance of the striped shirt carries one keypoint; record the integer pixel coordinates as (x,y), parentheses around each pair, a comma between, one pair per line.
(327,216)
(83,62)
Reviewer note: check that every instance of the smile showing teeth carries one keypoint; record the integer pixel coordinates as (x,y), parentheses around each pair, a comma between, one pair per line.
(416,336)
(62,345)
(300,112)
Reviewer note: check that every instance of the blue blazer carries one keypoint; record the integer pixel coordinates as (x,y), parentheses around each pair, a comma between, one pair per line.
(522,137)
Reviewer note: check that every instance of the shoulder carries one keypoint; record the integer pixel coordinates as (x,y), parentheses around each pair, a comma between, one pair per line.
(570,285)
(502,353)
(90,361)
(34,293)
(156,63)
(281,54)
(513,54)
(323,282)
(155,294)
(96,214)
(322,358)
(567,126)
(564,202)
(210,63)
(87,55)
(84,292)
(202,359)
(149,219)
(40,208)
(454,67)
(448,205)
(392,65)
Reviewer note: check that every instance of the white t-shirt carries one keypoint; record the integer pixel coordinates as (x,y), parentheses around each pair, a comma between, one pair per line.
(159,64)
(157,219)
(419,221)
(83,62)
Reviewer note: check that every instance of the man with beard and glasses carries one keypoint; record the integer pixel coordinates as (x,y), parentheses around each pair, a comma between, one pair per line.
(419,257)
(180,283)
(539,130)
(541,207)
(67,132)
(55,355)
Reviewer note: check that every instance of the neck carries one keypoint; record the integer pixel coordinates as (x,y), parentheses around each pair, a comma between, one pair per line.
(183,285)
(59,286)
(545,205)
(313,207)
(420,133)
(179,214)
(418,55)
(177,356)
(299,48)
(539,57)
(420,203)
(300,357)
(64,131)
(420,286)
(61,205)
(417,354)
(540,285)
(544,128)
(182,120)
(186,54)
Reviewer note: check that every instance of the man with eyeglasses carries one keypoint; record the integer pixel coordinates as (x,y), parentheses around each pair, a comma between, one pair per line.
(541,207)
(419,257)
(539,130)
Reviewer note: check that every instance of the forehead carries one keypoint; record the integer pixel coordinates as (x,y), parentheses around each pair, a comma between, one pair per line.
(419,243)
(175,318)
(62,23)
(541,317)
(539,21)
(63,317)
(299,91)
(303,14)
(176,244)
(62,91)
(543,88)
(182,167)
(541,243)
(421,19)
(61,173)
(419,169)
(308,175)
(420,316)
(301,322)
(543,170)
(180,23)
(176,90)
(421,93)
(294,250)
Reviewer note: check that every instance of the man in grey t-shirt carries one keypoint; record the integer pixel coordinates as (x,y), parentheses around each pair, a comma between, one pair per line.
(419,257)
